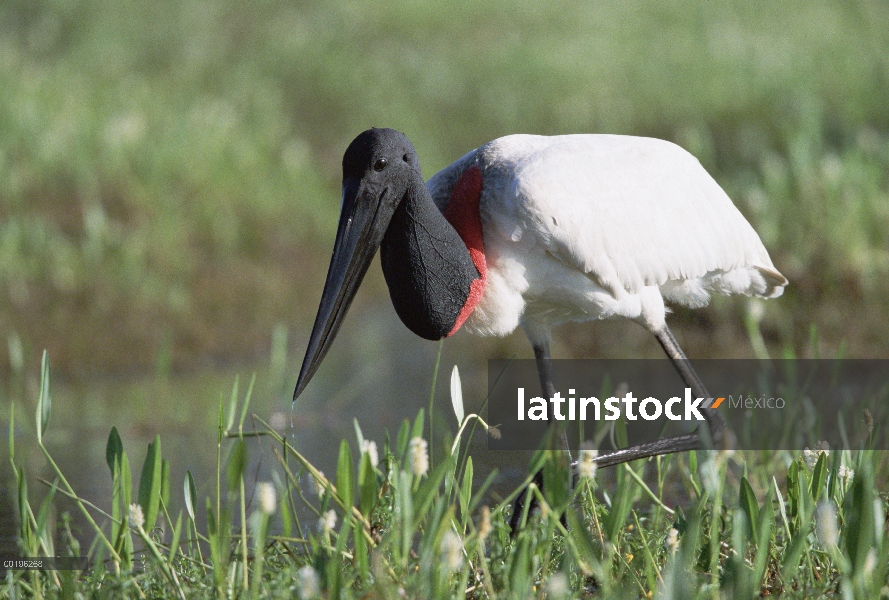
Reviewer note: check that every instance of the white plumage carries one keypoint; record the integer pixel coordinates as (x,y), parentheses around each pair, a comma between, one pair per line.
(584,227)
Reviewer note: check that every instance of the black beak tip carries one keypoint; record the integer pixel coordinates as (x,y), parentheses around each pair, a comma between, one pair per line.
(298,390)
(300,387)
(302,382)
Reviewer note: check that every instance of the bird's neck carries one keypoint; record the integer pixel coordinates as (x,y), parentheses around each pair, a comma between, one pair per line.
(434,263)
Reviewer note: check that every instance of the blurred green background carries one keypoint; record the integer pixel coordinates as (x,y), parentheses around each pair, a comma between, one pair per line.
(169,170)
(169,188)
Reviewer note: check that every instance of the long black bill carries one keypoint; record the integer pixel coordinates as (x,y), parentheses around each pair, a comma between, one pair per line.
(363,221)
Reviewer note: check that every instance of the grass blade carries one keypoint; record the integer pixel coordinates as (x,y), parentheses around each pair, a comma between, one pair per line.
(44,399)
(345,475)
(191,495)
(237,463)
(750,506)
(150,483)
(819,477)
(113,449)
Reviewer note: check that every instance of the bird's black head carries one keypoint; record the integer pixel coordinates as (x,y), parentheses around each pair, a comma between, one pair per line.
(380,167)
(380,154)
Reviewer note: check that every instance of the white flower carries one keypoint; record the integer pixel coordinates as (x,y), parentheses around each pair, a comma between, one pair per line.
(369,447)
(317,486)
(826,524)
(267,497)
(586,461)
(845,473)
(710,476)
(419,456)
(452,551)
(811,456)
(309,583)
(327,521)
(870,562)
(557,585)
(137,517)
(672,541)
(484,525)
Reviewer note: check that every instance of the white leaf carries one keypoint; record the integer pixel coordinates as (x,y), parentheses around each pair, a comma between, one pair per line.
(457,394)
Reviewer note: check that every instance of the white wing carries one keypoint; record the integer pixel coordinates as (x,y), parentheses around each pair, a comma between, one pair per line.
(628,211)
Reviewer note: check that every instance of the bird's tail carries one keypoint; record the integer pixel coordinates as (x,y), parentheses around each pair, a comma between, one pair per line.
(773,280)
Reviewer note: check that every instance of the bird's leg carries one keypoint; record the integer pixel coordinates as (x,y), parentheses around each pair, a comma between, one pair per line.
(680,443)
(714,420)
(545,372)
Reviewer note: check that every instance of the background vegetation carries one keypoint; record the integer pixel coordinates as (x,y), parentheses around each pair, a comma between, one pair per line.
(169,171)
(396,522)
(169,183)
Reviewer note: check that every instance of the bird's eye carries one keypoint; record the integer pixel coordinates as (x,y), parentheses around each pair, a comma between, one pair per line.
(380,164)
(406,158)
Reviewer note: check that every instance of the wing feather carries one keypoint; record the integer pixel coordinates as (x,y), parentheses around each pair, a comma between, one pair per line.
(628,211)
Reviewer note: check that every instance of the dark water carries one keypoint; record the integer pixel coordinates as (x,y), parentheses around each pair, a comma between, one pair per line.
(377,372)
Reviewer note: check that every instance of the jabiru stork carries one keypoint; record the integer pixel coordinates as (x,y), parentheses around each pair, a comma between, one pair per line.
(533,231)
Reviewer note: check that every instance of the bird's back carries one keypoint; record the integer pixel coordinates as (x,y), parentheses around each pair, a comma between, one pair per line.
(584,227)
(629,211)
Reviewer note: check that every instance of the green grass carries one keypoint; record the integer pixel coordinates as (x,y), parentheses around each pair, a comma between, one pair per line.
(745,524)
(168,188)
(169,172)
